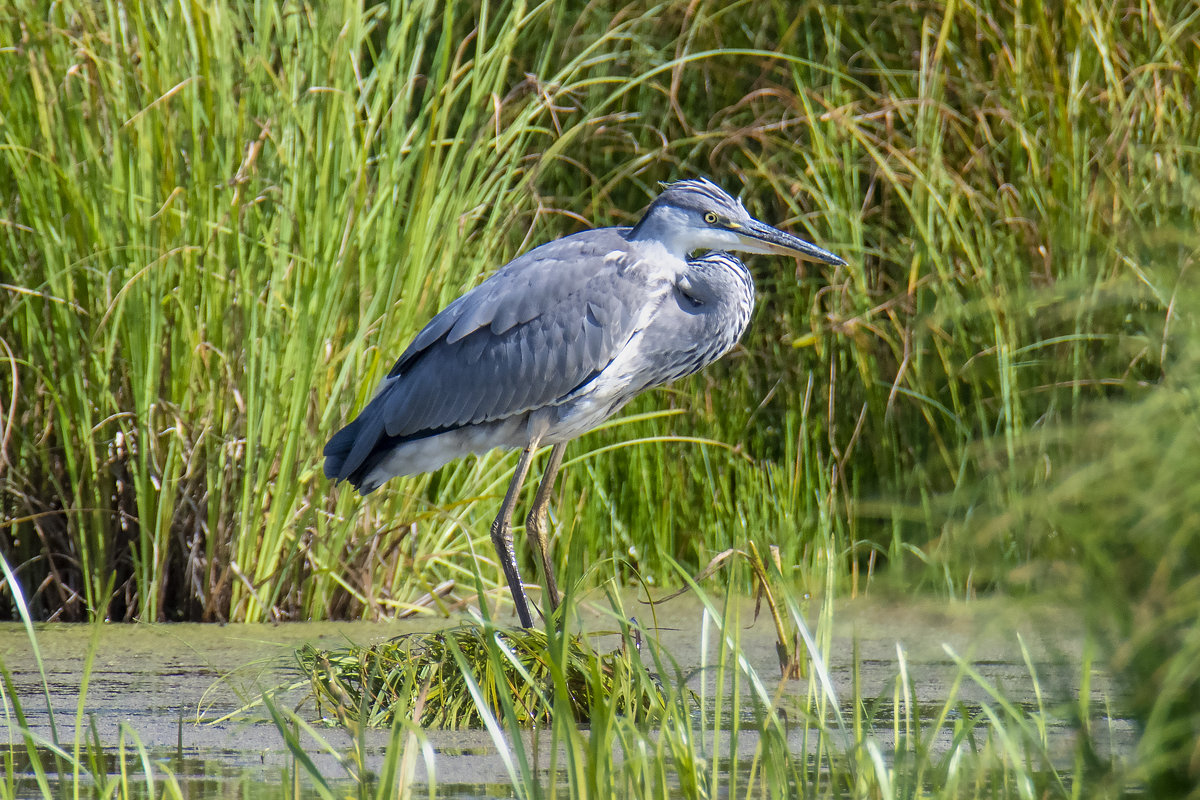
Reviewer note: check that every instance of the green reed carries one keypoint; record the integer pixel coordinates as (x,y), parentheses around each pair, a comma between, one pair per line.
(221,224)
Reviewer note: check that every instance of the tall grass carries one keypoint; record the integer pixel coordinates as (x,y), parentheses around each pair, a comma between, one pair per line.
(214,215)
(1116,516)
(220,223)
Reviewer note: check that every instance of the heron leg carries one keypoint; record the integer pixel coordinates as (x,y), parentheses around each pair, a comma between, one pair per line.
(535,523)
(502,537)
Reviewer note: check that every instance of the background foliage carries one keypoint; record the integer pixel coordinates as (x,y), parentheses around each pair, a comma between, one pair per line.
(222,222)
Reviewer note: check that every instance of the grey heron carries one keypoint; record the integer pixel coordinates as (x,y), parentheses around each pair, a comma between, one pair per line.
(555,342)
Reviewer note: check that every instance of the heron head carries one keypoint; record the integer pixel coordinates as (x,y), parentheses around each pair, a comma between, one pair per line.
(697,214)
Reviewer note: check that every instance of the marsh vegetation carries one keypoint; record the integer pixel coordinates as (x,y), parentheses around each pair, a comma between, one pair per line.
(220,223)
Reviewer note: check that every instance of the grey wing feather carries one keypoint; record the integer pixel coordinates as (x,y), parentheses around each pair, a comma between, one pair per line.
(523,339)
(521,284)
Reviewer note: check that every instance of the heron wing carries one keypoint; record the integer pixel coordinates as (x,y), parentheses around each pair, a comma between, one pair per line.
(527,337)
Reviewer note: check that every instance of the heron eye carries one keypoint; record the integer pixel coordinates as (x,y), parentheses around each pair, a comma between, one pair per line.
(710,217)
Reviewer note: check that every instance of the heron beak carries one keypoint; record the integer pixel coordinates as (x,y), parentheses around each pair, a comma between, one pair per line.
(758,237)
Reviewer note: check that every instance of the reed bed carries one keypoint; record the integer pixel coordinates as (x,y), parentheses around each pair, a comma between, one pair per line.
(220,225)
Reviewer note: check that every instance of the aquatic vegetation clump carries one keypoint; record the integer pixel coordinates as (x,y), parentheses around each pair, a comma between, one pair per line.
(450,678)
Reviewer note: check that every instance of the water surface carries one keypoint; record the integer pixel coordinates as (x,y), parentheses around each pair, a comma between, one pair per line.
(176,685)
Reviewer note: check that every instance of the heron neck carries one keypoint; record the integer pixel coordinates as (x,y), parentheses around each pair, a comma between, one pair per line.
(669,228)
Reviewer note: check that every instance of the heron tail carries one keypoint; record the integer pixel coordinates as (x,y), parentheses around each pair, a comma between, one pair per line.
(338,450)
(355,450)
